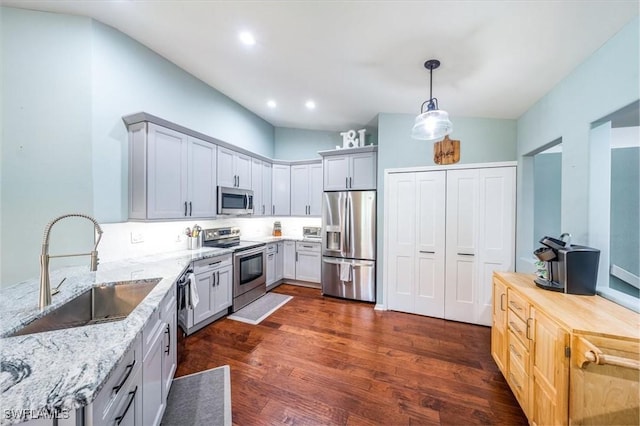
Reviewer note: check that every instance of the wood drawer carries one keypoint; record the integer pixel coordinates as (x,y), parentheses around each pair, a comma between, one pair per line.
(518,353)
(518,327)
(519,382)
(517,304)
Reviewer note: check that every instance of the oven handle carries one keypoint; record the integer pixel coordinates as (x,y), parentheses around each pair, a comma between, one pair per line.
(250,252)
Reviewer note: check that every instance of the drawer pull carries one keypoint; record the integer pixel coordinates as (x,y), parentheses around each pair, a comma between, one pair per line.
(215,263)
(515,305)
(528,329)
(502,302)
(514,327)
(515,352)
(427,252)
(133,396)
(129,368)
(167,331)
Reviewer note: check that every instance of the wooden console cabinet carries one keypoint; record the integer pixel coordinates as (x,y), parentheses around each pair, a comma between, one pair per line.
(568,359)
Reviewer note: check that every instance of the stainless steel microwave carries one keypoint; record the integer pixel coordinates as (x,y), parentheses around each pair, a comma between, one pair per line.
(235,201)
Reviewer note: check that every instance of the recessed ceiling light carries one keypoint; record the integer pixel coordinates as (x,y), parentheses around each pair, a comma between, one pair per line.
(272,104)
(247,38)
(310,104)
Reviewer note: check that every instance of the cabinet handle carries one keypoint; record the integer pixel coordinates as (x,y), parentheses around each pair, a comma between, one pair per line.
(528,328)
(117,388)
(168,332)
(218,278)
(133,396)
(515,305)
(263,209)
(502,301)
(515,328)
(213,275)
(215,263)
(466,254)
(350,183)
(346,182)
(273,209)
(515,352)
(427,252)
(277,249)
(185,208)
(296,256)
(190,209)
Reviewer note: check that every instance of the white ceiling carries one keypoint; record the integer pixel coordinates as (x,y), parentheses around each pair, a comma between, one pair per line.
(359,58)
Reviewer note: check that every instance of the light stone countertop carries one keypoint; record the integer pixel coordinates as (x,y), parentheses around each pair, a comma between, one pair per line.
(65,369)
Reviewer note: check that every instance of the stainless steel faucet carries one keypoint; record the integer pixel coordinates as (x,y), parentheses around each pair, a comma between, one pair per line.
(45,286)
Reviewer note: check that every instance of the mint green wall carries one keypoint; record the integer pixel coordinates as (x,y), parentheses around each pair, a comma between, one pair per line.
(303,144)
(482,140)
(67,81)
(46,150)
(607,81)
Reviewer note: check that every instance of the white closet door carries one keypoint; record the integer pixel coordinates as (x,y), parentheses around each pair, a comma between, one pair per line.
(430,244)
(496,233)
(461,242)
(402,241)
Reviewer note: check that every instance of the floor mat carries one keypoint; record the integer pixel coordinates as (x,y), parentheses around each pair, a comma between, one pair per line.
(261,308)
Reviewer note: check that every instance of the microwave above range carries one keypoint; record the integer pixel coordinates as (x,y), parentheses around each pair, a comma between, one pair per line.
(235,201)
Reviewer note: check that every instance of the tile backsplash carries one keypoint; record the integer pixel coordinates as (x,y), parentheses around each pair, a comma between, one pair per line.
(158,237)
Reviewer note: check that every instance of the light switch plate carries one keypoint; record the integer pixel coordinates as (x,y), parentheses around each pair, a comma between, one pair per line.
(137,237)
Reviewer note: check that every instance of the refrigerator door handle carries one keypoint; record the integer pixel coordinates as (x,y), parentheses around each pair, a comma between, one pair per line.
(353,263)
(347,224)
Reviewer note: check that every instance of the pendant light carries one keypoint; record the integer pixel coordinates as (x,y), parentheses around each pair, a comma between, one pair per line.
(434,123)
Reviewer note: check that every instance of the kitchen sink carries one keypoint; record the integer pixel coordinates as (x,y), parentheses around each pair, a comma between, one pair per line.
(102,303)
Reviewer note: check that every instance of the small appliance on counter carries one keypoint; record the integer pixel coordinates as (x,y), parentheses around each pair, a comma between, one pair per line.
(312,233)
(567,268)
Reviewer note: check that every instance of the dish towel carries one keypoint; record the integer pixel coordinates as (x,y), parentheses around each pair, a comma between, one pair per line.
(193,291)
(345,272)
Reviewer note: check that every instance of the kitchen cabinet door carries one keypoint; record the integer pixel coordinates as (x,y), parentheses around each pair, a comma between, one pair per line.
(336,172)
(167,174)
(279,261)
(222,289)
(271,264)
(205,307)
(362,170)
(129,411)
(202,179)
(281,190)
(153,403)
(308,262)
(499,345)
(315,189)
(267,177)
(257,187)
(234,169)
(550,371)
(289,270)
(299,190)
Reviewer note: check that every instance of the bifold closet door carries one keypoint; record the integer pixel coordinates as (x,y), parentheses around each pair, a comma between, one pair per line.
(480,239)
(416,242)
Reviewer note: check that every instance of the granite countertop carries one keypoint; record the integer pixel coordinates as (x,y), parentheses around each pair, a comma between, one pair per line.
(65,369)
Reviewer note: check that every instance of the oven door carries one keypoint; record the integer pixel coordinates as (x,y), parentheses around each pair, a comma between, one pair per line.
(249,268)
(234,201)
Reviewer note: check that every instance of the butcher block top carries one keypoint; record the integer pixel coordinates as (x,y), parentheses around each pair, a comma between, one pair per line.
(577,314)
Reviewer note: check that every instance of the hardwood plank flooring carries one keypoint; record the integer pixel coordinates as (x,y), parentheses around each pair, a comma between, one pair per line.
(320,360)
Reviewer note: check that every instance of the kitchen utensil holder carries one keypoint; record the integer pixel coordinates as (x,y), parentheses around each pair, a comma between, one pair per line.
(194,243)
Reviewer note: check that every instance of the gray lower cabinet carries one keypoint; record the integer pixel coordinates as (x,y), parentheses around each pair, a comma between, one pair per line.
(120,399)
(308,261)
(271,264)
(279,261)
(289,267)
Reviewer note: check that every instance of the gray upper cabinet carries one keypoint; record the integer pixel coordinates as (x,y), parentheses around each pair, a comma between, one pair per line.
(261,185)
(281,190)
(171,175)
(306,189)
(356,170)
(234,169)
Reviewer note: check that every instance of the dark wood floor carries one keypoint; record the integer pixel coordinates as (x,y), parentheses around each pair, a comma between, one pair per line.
(320,360)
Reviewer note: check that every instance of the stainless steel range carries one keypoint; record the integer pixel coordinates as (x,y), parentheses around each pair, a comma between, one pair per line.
(249,264)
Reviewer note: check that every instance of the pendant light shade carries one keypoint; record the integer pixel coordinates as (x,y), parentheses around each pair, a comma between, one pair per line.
(434,123)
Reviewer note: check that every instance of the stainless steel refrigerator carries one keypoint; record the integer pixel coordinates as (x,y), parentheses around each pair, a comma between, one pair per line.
(349,245)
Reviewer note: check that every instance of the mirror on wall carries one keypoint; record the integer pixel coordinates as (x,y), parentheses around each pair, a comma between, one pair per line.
(614,205)
(547,191)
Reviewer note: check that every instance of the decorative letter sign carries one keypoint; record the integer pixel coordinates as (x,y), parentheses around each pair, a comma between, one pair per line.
(349,139)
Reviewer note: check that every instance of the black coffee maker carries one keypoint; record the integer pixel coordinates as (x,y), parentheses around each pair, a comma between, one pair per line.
(567,268)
